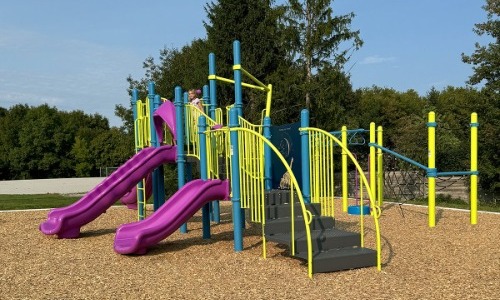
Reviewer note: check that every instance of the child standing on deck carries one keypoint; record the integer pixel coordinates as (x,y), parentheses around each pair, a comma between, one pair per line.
(194,99)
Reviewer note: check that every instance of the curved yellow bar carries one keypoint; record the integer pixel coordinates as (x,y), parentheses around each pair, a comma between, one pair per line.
(365,182)
(295,184)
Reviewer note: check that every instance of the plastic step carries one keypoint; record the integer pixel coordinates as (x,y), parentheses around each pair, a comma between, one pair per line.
(283,225)
(284,210)
(322,240)
(277,197)
(341,259)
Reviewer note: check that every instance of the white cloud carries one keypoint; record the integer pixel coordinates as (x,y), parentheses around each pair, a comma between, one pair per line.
(376,59)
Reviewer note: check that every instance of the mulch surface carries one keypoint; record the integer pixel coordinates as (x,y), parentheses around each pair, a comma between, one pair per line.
(454,260)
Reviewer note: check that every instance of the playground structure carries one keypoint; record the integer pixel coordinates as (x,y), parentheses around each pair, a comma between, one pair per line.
(235,163)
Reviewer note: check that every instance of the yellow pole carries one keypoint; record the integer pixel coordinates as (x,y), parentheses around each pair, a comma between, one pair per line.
(380,168)
(344,170)
(431,172)
(473,168)
(268,99)
(372,160)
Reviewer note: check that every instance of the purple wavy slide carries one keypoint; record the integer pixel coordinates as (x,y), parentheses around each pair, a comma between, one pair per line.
(135,238)
(67,221)
(130,198)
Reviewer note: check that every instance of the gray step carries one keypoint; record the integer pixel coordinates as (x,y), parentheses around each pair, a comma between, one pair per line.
(285,210)
(341,259)
(277,197)
(284,225)
(322,240)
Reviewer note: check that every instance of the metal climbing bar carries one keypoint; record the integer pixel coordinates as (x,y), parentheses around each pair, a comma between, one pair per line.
(402,157)
(261,85)
(231,81)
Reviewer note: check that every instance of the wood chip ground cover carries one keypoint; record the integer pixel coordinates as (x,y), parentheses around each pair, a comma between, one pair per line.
(454,260)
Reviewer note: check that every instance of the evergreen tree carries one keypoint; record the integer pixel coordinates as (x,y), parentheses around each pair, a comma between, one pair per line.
(316,35)
(255,24)
(486,59)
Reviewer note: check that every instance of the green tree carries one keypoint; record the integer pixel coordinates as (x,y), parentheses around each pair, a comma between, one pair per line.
(255,24)
(316,37)
(486,59)
(333,102)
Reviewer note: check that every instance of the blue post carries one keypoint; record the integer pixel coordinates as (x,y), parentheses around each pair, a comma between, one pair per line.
(133,102)
(268,180)
(214,205)
(213,84)
(206,100)
(235,182)
(140,186)
(238,93)
(181,157)
(158,172)
(304,154)
(154,142)
(202,127)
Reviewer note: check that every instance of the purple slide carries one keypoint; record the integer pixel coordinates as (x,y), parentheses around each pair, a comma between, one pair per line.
(165,113)
(67,221)
(135,238)
(130,198)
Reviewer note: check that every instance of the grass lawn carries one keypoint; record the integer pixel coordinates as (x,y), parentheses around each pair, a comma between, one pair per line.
(11,202)
(452,203)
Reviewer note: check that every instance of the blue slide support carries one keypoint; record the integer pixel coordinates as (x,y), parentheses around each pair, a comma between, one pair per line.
(181,157)
(238,97)
(154,143)
(238,93)
(267,156)
(205,211)
(304,154)
(207,97)
(235,182)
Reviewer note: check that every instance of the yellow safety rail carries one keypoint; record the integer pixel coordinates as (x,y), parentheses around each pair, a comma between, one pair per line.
(216,150)
(142,125)
(191,129)
(253,137)
(215,141)
(314,133)
(321,170)
(142,139)
(251,157)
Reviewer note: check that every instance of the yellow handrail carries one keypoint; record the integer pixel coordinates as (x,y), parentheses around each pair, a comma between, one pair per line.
(322,173)
(373,203)
(226,80)
(294,184)
(191,130)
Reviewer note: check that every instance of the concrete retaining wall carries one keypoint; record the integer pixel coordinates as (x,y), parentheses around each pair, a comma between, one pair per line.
(49,186)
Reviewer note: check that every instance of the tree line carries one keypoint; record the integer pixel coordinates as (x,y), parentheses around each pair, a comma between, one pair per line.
(44,142)
(300,47)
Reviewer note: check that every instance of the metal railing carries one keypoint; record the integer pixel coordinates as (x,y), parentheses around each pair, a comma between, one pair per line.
(321,140)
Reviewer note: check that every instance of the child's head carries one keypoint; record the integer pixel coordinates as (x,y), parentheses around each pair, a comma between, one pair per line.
(192,94)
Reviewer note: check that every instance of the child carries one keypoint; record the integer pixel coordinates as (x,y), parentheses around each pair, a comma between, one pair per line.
(194,99)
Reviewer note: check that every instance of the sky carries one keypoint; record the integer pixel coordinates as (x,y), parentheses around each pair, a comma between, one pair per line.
(76,55)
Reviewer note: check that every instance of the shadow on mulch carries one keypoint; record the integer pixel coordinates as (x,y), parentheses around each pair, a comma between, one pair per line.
(181,244)
(97,232)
